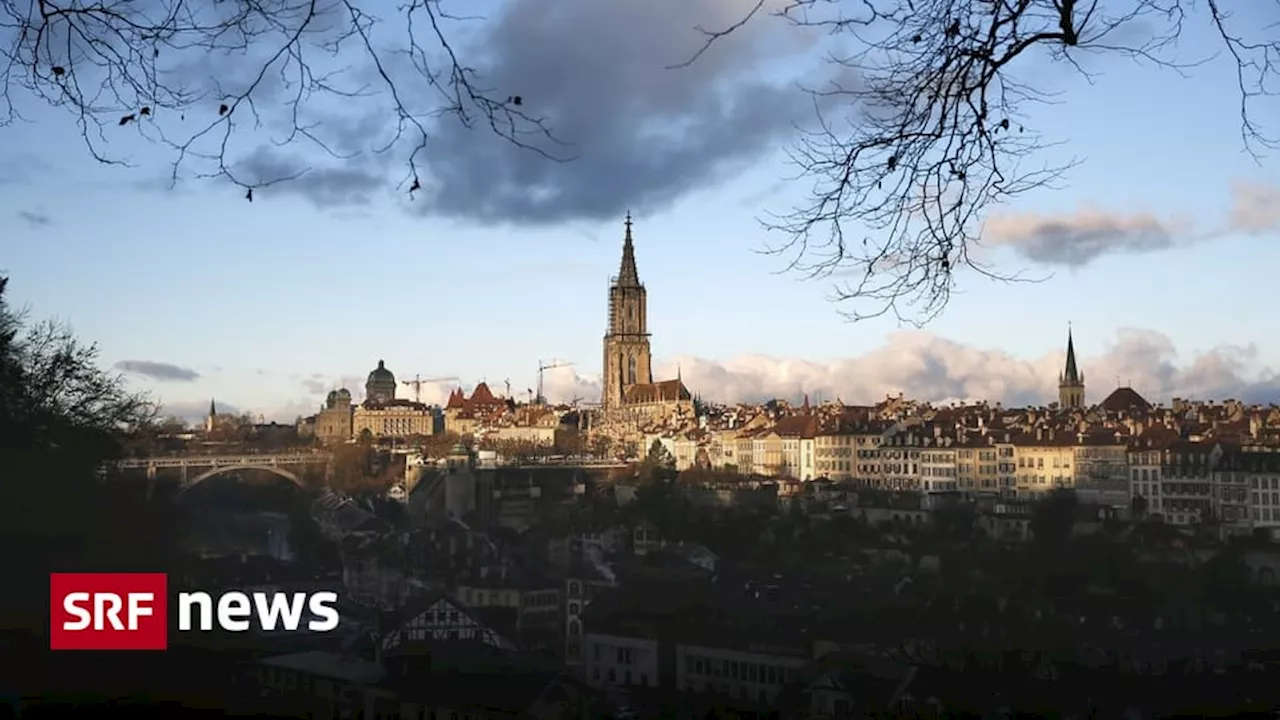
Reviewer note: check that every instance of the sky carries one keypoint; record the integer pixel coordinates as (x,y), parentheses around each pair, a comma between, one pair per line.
(1158,248)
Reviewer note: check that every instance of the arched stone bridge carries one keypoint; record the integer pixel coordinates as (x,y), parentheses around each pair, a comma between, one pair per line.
(195,469)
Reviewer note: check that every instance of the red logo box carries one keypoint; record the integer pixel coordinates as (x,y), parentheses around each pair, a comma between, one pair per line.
(108,611)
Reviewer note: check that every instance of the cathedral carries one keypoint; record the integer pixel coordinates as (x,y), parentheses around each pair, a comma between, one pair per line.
(629,389)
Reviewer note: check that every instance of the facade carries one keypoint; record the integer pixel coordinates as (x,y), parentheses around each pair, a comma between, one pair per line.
(334,421)
(621,661)
(393,419)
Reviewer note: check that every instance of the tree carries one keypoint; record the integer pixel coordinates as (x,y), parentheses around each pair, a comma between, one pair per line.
(659,466)
(569,441)
(172,425)
(62,507)
(1053,518)
(351,467)
(123,66)
(939,131)
(439,445)
(598,446)
(956,521)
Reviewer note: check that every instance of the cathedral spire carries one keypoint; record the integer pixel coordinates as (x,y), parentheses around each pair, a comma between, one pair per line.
(628,276)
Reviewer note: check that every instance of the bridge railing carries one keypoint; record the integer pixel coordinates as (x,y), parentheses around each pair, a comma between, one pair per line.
(222,460)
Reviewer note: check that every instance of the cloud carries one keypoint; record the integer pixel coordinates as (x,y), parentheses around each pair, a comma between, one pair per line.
(642,133)
(353,182)
(1255,208)
(195,411)
(628,130)
(316,385)
(164,372)
(928,367)
(1077,239)
(22,167)
(34,219)
(918,364)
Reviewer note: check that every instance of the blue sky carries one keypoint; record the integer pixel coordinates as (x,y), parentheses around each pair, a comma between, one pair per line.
(273,302)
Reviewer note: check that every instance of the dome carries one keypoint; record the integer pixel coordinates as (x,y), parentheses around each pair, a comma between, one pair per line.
(344,394)
(381,374)
(381,387)
(332,397)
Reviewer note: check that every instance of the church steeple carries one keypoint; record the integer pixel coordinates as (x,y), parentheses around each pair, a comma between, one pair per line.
(1071,381)
(628,276)
(1071,374)
(626,344)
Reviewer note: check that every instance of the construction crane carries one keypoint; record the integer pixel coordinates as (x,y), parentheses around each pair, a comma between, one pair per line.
(542,368)
(417,382)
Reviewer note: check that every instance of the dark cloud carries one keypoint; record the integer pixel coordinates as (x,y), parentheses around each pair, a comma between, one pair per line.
(927,367)
(164,372)
(34,219)
(352,182)
(642,134)
(1077,239)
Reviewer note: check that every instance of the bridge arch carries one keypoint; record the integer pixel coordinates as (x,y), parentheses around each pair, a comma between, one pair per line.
(281,472)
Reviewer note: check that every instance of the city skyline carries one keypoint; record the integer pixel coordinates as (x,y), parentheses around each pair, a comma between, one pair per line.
(1157,248)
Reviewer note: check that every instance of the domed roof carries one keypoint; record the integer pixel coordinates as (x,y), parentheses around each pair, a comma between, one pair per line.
(331,397)
(381,374)
(344,393)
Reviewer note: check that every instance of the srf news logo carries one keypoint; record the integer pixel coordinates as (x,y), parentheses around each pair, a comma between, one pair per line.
(130,611)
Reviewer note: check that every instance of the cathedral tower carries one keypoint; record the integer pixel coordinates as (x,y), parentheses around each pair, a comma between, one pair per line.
(626,344)
(1071,382)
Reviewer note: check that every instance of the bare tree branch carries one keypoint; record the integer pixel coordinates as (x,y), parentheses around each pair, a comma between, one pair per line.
(195,77)
(930,130)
